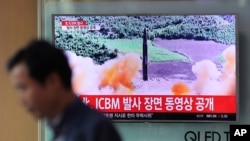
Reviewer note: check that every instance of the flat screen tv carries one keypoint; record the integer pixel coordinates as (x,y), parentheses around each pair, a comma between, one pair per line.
(153,67)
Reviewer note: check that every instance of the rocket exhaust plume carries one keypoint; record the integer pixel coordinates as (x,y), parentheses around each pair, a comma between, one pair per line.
(118,74)
(180,88)
(206,73)
(211,81)
(84,73)
(115,76)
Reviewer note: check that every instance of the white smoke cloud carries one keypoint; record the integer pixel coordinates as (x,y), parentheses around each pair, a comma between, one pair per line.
(211,81)
(113,77)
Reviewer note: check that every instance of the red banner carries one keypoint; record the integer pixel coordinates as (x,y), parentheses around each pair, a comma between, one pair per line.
(180,104)
(74,23)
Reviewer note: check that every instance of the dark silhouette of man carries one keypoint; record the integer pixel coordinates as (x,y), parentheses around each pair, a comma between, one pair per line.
(42,76)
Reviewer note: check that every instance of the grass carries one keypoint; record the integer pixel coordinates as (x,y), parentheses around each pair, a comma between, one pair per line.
(135,45)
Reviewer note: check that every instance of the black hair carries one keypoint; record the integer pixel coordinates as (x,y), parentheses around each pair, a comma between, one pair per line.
(42,59)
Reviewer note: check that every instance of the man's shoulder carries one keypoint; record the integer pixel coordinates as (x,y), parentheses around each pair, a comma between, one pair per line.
(88,123)
(87,111)
(84,115)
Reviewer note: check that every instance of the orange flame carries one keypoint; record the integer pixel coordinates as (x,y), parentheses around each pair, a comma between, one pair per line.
(180,89)
(121,72)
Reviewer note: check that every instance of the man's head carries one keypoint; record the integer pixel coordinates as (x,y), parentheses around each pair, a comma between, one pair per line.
(40,72)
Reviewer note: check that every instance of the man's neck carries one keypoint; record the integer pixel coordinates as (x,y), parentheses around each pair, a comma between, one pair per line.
(66,99)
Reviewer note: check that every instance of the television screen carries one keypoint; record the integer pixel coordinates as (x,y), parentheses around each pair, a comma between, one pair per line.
(153,67)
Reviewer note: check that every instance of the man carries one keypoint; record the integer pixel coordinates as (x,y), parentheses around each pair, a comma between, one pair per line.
(42,76)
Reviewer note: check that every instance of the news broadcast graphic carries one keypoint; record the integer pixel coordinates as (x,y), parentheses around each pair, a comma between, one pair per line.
(153,67)
(239,132)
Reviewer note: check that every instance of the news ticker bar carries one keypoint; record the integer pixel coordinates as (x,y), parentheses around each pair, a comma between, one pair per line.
(172,116)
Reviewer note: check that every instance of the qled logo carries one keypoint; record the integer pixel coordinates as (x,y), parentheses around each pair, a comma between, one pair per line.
(239,132)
